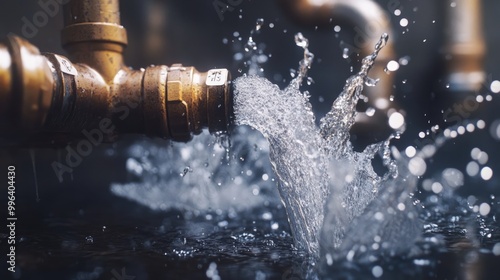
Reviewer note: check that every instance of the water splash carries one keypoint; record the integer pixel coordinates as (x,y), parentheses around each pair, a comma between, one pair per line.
(286,119)
(253,55)
(200,176)
(318,166)
(305,63)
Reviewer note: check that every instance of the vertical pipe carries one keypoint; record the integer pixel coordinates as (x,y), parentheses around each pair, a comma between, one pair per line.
(79,11)
(93,35)
(464,47)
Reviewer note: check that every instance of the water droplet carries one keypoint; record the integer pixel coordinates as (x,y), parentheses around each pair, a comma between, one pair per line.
(410,151)
(453,177)
(185,171)
(301,41)
(267,216)
(495,86)
(89,240)
(404,60)
(329,259)
(481,124)
(486,173)
(377,271)
(484,209)
(421,262)
(482,158)
(403,22)
(392,65)
(212,272)
(495,129)
(436,187)
(417,166)
(371,82)
(222,224)
(250,45)
(134,167)
(265,177)
(396,120)
(310,81)
(370,111)
(496,249)
(238,56)
(345,53)
(259,23)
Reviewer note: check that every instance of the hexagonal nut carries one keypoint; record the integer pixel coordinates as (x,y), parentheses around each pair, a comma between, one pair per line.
(177,107)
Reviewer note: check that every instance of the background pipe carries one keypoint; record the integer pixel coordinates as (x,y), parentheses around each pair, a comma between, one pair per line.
(368,21)
(464,47)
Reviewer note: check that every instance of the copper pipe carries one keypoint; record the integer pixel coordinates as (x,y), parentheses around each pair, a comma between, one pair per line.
(58,99)
(26,87)
(369,21)
(93,35)
(464,48)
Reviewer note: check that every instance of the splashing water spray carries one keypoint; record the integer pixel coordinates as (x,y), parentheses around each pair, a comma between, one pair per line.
(326,186)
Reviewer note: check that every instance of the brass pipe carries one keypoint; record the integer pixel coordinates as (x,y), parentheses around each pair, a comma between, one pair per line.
(26,86)
(464,47)
(369,21)
(93,35)
(57,99)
